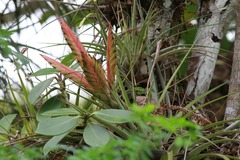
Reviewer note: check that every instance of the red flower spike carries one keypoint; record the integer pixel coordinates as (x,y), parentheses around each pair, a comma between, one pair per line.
(93,70)
(69,73)
(73,42)
(95,75)
(111,58)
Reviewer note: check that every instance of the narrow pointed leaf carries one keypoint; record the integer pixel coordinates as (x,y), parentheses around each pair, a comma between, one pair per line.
(111,58)
(69,73)
(44,72)
(38,90)
(68,59)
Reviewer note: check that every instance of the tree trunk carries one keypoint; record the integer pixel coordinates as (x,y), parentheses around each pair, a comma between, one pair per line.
(233,101)
(214,18)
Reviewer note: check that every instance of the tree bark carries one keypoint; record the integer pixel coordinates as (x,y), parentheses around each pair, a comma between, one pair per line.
(214,18)
(233,101)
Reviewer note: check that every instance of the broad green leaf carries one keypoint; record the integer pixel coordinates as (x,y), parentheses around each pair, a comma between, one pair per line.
(96,135)
(45,71)
(51,104)
(115,115)
(57,126)
(6,122)
(38,89)
(52,143)
(60,112)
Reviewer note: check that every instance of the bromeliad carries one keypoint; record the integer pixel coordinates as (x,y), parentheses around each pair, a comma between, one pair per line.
(94,80)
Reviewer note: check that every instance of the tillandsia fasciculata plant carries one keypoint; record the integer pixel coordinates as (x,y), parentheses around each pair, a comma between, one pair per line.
(94,80)
(107,123)
(143,61)
(106,116)
(111,117)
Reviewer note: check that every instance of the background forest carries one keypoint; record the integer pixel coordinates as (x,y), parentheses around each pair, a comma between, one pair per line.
(155,79)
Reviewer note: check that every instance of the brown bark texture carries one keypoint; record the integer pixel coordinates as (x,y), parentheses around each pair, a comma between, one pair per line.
(233,102)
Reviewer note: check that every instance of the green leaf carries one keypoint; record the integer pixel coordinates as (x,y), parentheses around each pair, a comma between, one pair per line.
(68,60)
(96,135)
(45,16)
(51,104)
(60,112)
(5,122)
(208,155)
(24,60)
(45,71)
(4,48)
(52,143)
(38,89)
(85,18)
(57,126)
(197,150)
(115,115)
(190,11)
(5,33)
